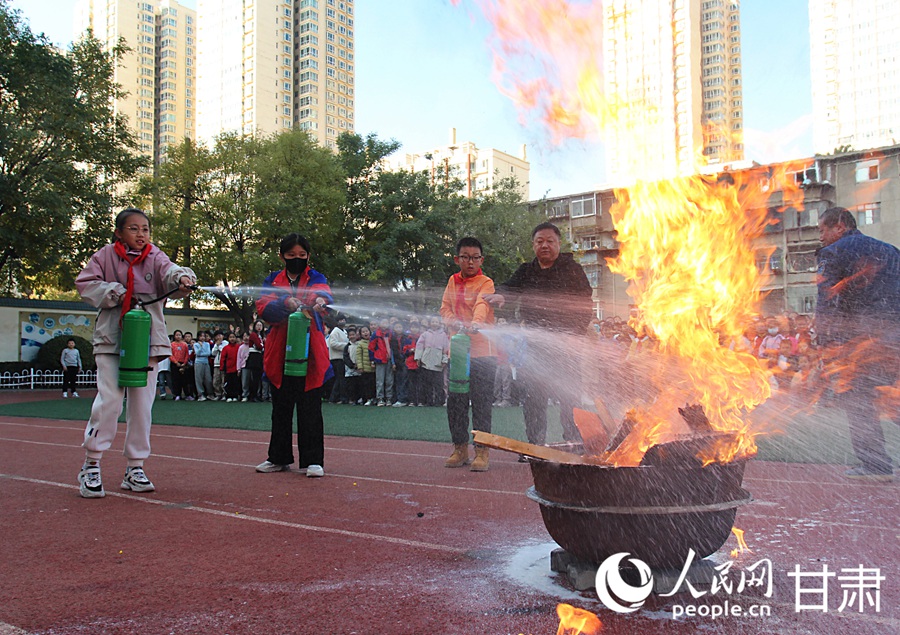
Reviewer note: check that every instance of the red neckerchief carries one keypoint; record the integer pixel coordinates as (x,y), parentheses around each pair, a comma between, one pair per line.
(459,302)
(122,252)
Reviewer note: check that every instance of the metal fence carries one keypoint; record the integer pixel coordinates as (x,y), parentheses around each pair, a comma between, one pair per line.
(30,378)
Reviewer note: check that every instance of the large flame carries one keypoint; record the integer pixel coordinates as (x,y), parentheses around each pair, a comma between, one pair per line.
(687,246)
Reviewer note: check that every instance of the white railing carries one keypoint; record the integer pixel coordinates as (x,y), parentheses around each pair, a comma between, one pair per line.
(30,378)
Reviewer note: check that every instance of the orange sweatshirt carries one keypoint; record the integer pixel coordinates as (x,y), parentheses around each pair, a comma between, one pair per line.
(464,302)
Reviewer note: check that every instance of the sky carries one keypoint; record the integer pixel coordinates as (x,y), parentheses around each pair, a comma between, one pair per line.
(424,67)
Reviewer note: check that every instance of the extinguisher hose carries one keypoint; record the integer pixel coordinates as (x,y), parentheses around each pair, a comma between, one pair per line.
(192,287)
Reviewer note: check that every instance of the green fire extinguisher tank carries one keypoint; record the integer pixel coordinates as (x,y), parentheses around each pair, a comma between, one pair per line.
(460,348)
(134,352)
(296,354)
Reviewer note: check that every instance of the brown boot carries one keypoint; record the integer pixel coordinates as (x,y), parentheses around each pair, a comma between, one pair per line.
(459,457)
(480,464)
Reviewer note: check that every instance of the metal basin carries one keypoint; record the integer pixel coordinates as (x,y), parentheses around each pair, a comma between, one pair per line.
(655,513)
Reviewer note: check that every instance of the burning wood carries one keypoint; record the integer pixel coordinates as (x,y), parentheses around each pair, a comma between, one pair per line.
(696,419)
(689,451)
(593,433)
(625,429)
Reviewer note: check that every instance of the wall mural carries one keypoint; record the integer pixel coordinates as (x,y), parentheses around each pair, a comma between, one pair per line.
(39,327)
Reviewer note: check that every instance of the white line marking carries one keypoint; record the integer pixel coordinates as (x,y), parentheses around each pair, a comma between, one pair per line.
(417,544)
(478,490)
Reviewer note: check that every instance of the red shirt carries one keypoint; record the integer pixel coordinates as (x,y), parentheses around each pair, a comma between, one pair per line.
(180,353)
(228,358)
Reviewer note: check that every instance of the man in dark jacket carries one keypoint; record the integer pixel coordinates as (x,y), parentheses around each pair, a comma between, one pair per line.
(859,305)
(555,299)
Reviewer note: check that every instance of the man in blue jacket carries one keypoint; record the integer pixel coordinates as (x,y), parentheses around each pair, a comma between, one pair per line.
(859,302)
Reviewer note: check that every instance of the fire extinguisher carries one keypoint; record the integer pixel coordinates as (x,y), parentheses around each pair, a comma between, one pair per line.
(297,347)
(460,348)
(134,352)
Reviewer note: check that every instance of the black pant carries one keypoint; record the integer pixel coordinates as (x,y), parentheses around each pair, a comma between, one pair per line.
(431,387)
(537,392)
(310,426)
(179,380)
(339,389)
(70,379)
(481,395)
(412,386)
(233,385)
(354,388)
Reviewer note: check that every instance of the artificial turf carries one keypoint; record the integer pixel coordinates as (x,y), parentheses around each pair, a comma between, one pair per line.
(807,438)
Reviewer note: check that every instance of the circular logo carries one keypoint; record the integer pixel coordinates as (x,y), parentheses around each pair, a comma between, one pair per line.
(616,594)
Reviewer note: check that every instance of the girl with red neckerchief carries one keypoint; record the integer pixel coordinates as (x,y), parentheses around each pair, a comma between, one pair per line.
(116,278)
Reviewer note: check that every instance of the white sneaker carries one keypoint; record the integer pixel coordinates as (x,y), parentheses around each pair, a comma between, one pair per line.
(136,480)
(65,395)
(75,394)
(245,399)
(314,471)
(267,466)
(89,481)
(201,398)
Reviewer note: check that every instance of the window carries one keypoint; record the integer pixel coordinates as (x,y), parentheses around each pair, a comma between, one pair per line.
(867,214)
(588,242)
(867,171)
(581,207)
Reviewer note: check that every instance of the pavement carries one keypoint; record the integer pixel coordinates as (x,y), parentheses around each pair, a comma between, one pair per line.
(390,541)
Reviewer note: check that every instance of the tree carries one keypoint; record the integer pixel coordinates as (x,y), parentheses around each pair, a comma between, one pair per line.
(63,154)
(402,222)
(226,209)
(175,191)
(502,221)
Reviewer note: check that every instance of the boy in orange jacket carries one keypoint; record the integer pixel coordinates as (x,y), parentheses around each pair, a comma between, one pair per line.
(463,307)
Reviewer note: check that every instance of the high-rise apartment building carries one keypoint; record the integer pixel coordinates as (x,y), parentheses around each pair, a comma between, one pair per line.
(478,169)
(673,68)
(158,74)
(269,65)
(853,61)
(246,66)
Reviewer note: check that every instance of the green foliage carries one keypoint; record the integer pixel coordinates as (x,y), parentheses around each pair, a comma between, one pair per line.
(502,221)
(63,153)
(48,355)
(223,211)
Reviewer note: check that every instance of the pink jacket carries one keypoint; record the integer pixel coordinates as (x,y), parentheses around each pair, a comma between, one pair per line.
(102,284)
(243,354)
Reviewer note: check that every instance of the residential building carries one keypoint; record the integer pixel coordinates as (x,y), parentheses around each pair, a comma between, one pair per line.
(324,69)
(158,74)
(269,65)
(673,70)
(865,182)
(479,169)
(853,63)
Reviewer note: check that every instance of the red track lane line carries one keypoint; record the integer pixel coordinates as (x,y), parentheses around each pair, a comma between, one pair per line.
(416,544)
(331,474)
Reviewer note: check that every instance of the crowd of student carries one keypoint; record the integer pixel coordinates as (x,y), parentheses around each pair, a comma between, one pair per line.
(786,344)
(387,362)
(217,366)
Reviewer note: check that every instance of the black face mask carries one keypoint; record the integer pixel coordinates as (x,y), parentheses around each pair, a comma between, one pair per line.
(295,266)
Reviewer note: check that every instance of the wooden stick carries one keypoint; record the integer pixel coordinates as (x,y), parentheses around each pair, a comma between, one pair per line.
(605,416)
(592,431)
(529,449)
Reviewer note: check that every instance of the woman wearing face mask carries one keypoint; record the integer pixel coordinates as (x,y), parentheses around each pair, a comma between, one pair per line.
(295,286)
